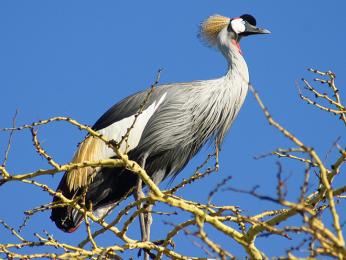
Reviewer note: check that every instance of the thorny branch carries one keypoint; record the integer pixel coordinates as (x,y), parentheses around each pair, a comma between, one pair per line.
(318,236)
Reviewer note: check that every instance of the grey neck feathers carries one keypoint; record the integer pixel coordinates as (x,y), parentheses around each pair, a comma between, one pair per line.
(237,66)
(234,84)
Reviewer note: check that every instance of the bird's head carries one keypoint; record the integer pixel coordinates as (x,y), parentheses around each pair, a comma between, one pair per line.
(224,32)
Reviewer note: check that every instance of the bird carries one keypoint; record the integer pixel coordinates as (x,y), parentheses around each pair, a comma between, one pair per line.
(174,123)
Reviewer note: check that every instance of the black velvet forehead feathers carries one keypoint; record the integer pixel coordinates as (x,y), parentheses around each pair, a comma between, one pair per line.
(249,18)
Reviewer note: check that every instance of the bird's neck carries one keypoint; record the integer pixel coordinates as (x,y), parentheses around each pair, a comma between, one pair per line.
(237,67)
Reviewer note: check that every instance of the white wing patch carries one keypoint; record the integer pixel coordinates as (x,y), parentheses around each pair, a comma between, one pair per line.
(93,149)
(117,130)
(238,25)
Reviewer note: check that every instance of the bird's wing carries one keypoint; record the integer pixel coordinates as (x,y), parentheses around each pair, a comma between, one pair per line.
(177,131)
(132,113)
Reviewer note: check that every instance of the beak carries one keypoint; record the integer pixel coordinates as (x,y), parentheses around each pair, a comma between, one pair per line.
(250,29)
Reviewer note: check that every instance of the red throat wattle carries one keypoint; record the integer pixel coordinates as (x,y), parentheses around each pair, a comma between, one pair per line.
(236,43)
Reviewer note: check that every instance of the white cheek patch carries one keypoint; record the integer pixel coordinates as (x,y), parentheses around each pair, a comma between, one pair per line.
(238,25)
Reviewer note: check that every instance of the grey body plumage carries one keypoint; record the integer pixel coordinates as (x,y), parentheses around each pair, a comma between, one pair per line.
(191,114)
(180,118)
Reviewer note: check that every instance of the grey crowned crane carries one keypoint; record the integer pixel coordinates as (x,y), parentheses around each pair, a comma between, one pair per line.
(177,120)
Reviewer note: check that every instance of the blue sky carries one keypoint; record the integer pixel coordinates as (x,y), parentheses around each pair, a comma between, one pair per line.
(77,58)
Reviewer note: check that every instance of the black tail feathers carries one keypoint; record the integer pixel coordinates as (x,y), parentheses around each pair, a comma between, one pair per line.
(108,186)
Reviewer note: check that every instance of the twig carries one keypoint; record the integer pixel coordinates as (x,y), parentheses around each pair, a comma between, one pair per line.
(9,143)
